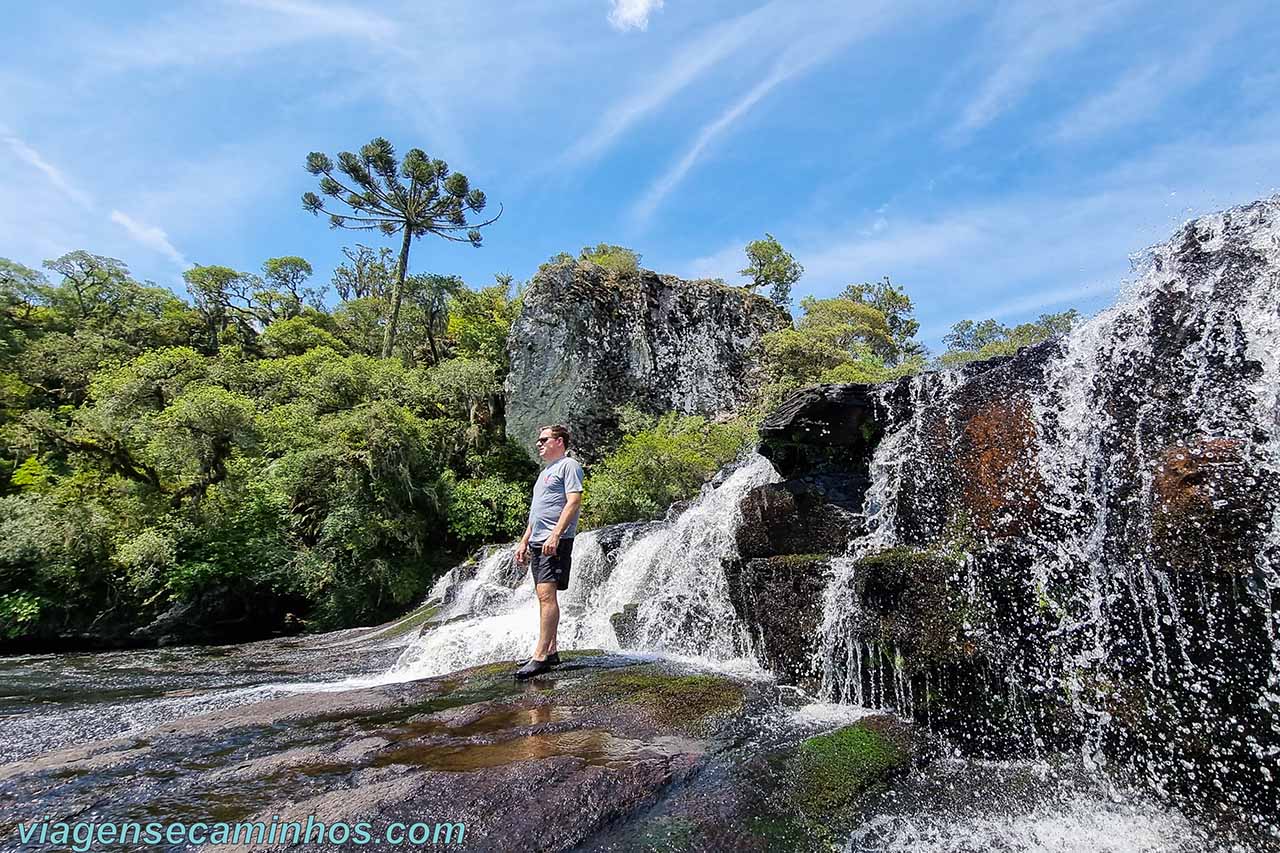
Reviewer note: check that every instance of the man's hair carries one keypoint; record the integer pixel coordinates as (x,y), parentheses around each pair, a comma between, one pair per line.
(557,431)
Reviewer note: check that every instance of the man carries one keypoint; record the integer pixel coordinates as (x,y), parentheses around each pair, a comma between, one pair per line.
(548,539)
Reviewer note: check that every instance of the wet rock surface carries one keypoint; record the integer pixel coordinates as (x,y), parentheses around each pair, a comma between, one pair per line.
(551,763)
(1111,500)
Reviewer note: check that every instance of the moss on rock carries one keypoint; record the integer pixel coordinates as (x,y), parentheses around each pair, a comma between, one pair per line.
(689,702)
(833,770)
(916,602)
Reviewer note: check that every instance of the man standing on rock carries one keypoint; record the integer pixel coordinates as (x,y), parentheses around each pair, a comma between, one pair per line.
(548,539)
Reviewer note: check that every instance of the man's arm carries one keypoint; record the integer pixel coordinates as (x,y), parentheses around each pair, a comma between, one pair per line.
(523,547)
(572,500)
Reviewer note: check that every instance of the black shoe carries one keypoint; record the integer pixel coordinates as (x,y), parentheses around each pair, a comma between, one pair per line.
(532,668)
(553,658)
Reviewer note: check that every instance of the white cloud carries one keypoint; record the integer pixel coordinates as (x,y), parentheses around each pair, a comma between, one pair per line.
(827,35)
(1142,91)
(632,14)
(150,236)
(1027,37)
(56,177)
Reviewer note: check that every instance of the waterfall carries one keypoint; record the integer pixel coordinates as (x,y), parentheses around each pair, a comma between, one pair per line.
(1124,506)
(666,580)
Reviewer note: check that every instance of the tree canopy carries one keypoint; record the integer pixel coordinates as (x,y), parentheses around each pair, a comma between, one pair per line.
(770,265)
(415,197)
(974,341)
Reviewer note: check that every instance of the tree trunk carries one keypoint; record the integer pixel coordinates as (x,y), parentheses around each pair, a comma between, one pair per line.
(431,338)
(389,336)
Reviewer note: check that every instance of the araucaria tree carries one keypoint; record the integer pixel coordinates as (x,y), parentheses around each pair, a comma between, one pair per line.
(414,197)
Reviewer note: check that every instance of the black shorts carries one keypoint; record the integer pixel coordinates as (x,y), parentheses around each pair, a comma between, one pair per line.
(552,569)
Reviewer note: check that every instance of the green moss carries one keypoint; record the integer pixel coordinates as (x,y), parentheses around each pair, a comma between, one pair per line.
(798,560)
(581,653)
(496,668)
(903,559)
(871,432)
(834,769)
(414,620)
(915,602)
(790,833)
(666,833)
(506,667)
(682,701)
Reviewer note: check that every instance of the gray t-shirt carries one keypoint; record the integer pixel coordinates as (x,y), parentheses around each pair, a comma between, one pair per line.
(550,495)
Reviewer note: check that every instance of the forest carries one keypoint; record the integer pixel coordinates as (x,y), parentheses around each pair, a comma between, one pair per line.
(318,453)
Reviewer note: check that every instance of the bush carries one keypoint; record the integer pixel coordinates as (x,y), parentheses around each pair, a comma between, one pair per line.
(655,467)
(619,259)
(486,510)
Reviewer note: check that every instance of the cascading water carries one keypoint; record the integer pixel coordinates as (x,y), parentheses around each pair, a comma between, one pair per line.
(671,573)
(1106,506)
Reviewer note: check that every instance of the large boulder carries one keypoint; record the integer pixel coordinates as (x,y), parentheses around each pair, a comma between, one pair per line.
(1078,545)
(589,340)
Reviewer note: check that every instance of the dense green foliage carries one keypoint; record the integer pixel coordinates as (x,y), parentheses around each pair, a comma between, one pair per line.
(659,461)
(249,444)
(866,334)
(254,444)
(620,259)
(975,341)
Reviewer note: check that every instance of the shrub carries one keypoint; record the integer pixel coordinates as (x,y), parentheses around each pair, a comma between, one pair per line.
(655,467)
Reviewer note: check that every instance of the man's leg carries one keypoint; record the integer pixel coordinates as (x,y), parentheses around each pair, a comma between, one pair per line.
(549,611)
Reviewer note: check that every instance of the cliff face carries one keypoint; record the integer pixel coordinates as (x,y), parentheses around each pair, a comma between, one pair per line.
(1078,546)
(589,340)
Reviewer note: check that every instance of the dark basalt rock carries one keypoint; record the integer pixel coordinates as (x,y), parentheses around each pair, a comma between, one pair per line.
(217,615)
(626,624)
(1112,500)
(780,600)
(545,764)
(776,520)
(588,340)
(821,439)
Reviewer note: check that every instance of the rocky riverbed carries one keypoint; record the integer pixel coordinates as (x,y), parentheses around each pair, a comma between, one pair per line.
(606,751)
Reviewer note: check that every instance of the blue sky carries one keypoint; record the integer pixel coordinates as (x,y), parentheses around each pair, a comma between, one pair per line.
(995,159)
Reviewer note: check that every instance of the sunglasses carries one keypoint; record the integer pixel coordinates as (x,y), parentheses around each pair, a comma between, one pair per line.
(544,438)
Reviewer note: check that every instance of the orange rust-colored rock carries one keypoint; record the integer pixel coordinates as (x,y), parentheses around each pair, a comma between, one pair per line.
(995,460)
(1207,502)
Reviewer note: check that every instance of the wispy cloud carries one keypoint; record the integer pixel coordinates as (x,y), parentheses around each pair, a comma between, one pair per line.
(689,63)
(150,236)
(632,14)
(238,29)
(661,188)
(33,158)
(1055,247)
(826,38)
(1028,37)
(330,18)
(1144,89)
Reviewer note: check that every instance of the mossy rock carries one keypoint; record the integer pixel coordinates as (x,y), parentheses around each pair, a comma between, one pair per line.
(688,702)
(834,771)
(507,667)
(917,602)
(797,561)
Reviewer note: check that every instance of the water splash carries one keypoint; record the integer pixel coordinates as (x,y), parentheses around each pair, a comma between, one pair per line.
(1103,548)
(667,580)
